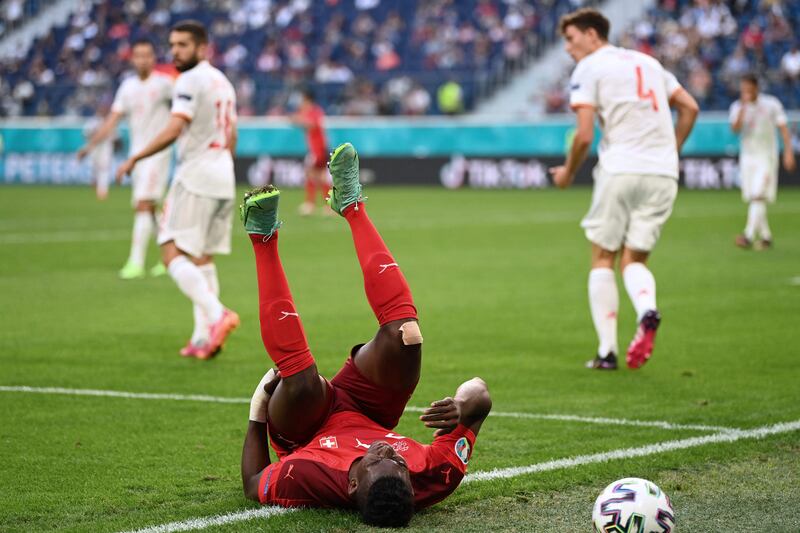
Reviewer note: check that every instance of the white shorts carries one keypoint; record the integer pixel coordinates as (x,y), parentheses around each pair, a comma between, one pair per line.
(759,179)
(150,177)
(628,210)
(198,225)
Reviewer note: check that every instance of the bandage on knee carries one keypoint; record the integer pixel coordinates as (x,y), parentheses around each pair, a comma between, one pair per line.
(284,337)
(411,333)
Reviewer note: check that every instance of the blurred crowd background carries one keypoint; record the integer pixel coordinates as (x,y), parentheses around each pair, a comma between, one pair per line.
(386,57)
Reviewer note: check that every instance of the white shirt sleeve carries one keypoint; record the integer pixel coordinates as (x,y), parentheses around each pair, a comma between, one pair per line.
(121,102)
(671,84)
(734,112)
(583,87)
(778,113)
(184,97)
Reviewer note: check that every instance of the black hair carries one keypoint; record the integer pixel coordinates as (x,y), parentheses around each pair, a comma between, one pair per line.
(584,19)
(308,93)
(195,28)
(143,41)
(389,503)
(751,78)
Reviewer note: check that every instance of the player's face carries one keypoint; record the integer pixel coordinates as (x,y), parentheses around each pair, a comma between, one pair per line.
(577,43)
(143,59)
(380,460)
(186,53)
(749,91)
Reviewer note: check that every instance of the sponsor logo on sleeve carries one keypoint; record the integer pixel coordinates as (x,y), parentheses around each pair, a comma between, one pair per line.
(462,449)
(182,96)
(574,86)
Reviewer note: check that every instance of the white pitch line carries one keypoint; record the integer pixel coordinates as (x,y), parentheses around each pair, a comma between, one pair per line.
(411,409)
(505,473)
(629,453)
(219,520)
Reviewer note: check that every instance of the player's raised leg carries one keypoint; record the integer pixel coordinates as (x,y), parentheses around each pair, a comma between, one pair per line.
(392,358)
(300,401)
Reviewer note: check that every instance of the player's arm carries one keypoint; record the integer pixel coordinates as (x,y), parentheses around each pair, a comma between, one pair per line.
(687,109)
(233,138)
(166,137)
(255,453)
(788,153)
(581,143)
(469,407)
(102,133)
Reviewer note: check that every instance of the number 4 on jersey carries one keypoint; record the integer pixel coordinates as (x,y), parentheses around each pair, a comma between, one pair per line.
(649,95)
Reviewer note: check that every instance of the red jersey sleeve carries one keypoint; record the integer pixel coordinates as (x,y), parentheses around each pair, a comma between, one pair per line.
(446,464)
(303,483)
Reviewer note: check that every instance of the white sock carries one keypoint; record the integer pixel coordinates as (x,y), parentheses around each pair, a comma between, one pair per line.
(193,284)
(604,304)
(752,221)
(142,230)
(201,323)
(761,224)
(641,287)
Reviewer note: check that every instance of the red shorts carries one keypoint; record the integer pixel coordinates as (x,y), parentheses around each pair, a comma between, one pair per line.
(350,390)
(317,160)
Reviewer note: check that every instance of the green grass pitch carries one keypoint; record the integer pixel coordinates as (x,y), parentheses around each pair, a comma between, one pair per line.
(499,278)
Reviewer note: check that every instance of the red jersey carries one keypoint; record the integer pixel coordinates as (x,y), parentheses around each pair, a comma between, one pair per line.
(315,134)
(316,475)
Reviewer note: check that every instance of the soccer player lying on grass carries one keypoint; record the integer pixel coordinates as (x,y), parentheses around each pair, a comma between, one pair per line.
(334,439)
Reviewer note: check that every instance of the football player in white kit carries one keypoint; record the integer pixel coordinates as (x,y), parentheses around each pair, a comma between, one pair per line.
(144,99)
(755,117)
(198,211)
(636,178)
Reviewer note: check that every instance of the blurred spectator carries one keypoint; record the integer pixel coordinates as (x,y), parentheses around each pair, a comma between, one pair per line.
(790,64)
(417,101)
(450,98)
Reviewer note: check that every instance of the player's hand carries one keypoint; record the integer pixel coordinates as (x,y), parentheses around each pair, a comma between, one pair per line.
(561,178)
(789,162)
(82,152)
(442,415)
(125,168)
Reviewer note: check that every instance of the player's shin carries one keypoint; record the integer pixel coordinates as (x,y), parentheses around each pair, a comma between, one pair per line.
(387,290)
(604,305)
(281,328)
(641,287)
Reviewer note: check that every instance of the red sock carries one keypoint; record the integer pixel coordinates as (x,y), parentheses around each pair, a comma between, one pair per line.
(310,191)
(386,287)
(281,328)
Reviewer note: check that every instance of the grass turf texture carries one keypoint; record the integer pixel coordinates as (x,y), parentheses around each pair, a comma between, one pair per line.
(500,282)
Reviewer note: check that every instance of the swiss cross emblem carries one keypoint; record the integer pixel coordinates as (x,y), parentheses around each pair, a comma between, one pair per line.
(328,442)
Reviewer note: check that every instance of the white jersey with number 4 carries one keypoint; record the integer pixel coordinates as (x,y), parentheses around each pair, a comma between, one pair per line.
(145,103)
(759,138)
(205,97)
(630,91)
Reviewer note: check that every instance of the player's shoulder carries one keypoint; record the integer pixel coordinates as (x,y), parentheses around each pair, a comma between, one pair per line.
(129,82)
(771,100)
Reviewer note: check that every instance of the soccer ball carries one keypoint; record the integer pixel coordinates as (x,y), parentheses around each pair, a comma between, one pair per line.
(633,505)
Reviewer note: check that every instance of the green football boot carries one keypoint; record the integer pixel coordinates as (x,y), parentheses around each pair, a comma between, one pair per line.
(131,271)
(158,270)
(346,189)
(259,212)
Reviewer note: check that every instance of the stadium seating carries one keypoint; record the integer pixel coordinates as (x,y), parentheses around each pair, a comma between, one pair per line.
(361,56)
